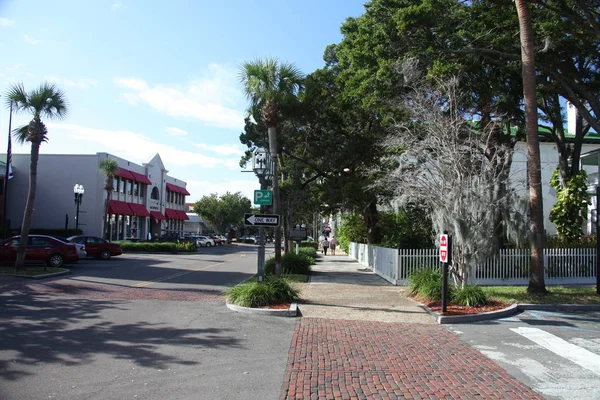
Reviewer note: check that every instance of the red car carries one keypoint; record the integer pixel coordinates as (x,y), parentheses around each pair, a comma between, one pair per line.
(40,249)
(97,247)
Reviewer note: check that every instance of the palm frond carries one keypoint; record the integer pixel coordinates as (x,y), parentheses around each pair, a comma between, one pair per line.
(20,134)
(17,96)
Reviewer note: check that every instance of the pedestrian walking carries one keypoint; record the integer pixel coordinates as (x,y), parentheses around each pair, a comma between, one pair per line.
(325,244)
(321,238)
(333,245)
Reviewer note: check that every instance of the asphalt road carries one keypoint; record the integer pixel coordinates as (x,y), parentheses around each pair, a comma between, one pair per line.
(141,327)
(555,353)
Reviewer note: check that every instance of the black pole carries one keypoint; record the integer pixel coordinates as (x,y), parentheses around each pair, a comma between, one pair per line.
(66,223)
(78,201)
(597,241)
(7,171)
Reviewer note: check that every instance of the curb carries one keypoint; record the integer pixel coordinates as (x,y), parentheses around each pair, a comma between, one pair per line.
(509,311)
(50,275)
(290,312)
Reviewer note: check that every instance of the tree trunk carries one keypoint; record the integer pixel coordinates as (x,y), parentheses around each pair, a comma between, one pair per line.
(276,206)
(106,226)
(536,209)
(371,217)
(35,154)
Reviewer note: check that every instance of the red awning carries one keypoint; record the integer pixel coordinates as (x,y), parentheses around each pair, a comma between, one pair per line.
(171,213)
(173,188)
(157,215)
(119,207)
(177,189)
(182,215)
(125,173)
(140,178)
(139,209)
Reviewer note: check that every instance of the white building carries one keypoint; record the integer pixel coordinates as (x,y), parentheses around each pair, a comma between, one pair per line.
(146,200)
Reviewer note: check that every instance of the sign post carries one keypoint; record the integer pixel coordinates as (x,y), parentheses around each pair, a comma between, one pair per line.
(261,220)
(445,258)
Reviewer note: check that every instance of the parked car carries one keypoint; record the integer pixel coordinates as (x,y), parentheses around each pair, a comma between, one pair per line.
(97,247)
(203,241)
(219,241)
(80,247)
(40,249)
(248,238)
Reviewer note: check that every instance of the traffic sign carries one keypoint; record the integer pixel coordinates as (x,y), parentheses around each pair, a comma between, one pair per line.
(261,220)
(263,197)
(444,248)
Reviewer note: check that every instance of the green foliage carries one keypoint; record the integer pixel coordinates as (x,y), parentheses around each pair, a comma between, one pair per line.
(291,263)
(352,229)
(308,244)
(427,284)
(158,247)
(471,296)
(222,212)
(557,242)
(259,294)
(570,210)
(409,228)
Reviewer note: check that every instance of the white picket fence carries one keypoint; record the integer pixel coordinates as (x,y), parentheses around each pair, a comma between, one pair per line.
(510,267)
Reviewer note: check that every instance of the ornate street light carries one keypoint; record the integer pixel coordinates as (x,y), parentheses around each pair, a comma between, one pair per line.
(78,191)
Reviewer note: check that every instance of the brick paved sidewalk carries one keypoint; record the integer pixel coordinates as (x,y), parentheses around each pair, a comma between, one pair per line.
(337,359)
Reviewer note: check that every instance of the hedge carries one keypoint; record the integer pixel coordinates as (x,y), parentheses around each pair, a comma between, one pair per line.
(158,247)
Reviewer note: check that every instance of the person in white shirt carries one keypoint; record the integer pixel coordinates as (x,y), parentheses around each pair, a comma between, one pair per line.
(325,245)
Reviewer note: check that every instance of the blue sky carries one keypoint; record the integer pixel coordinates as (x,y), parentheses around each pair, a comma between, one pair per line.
(147,77)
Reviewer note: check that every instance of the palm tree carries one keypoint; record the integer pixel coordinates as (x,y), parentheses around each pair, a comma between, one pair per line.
(46,101)
(268,83)
(536,210)
(110,167)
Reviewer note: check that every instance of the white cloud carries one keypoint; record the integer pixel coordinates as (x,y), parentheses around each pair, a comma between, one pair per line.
(206,188)
(6,23)
(213,99)
(133,146)
(30,40)
(82,83)
(116,5)
(225,149)
(176,132)
(14,67)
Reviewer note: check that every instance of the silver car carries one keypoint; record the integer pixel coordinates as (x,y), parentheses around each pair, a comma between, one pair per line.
(203,241)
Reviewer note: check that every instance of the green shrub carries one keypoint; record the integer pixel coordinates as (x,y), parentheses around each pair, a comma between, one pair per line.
(427,284)
(260,294)
(308,252)
(308,244)
(471,296)
(291,263)
(157,247)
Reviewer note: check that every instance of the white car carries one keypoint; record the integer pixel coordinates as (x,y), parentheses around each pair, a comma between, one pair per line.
(204,241)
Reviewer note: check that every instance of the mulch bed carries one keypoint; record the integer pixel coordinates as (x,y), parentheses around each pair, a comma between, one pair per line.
(455,309)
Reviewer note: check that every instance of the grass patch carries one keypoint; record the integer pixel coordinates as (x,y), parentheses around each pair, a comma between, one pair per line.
(254,294)
(29,271)
(557,295)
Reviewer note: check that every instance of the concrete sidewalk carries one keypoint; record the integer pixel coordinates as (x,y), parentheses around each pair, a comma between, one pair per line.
(341,288)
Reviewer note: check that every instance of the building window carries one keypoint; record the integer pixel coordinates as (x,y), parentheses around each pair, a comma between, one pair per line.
(122,186)
(154,195)
(135,188)
(116,184)
(142,190)
(129,187)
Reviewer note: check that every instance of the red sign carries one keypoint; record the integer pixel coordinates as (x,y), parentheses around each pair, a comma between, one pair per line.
(444,248)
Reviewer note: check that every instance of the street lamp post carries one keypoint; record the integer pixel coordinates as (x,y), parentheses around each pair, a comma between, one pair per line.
(78,191)
(262,166)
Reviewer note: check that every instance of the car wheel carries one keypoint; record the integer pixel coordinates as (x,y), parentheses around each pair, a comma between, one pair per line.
(208,244)
(56,261)
(105,254)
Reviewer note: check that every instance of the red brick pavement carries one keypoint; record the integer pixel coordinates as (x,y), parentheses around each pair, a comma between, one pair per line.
(337,359)
(115,292)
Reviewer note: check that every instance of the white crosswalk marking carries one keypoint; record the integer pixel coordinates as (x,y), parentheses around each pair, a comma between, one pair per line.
(576,354)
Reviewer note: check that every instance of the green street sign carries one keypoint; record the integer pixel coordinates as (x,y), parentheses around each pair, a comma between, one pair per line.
(263,197)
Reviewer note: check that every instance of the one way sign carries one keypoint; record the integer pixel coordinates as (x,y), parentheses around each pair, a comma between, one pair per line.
(261,220)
